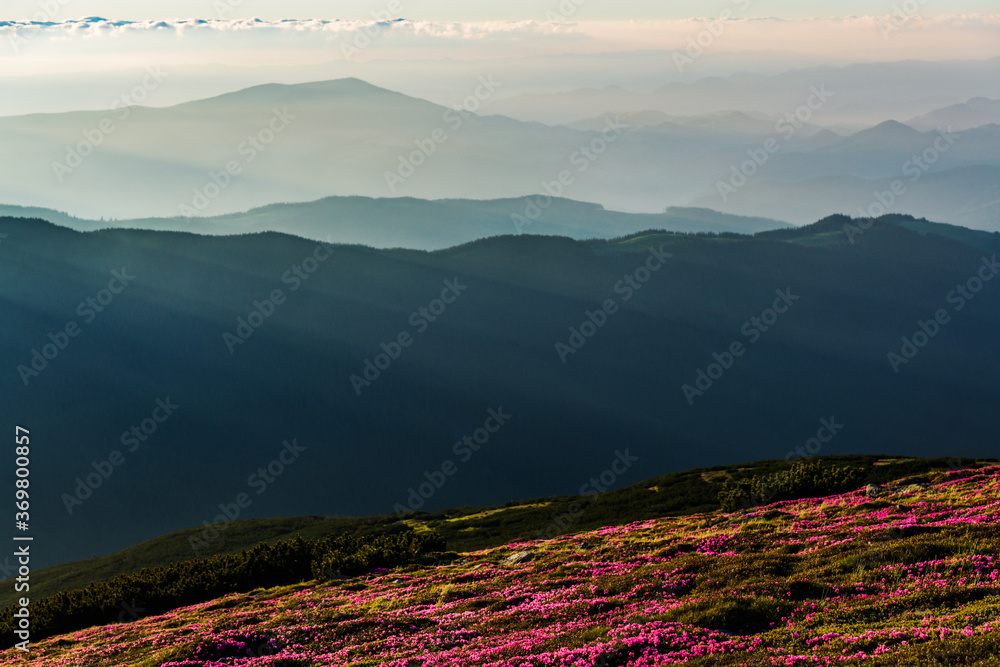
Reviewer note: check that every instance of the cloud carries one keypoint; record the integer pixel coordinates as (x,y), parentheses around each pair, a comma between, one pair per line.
(399,38)
(230,35)
(96,26)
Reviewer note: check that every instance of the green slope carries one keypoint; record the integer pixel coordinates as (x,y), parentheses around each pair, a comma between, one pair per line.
(467,529)
(495,347)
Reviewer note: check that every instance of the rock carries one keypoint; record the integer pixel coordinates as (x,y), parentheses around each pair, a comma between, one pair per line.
(519,557)
(874,490)
(913,488)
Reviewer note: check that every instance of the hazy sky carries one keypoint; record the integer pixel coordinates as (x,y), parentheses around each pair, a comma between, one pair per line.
(478,10)
(63,36)
(58,54)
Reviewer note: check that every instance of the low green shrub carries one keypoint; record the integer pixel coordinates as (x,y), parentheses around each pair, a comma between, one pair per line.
(160,589)
(803,480)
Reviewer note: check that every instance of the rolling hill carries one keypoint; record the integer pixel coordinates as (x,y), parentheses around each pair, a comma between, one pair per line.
(976,112)
(426,225)
(468,529)
(346,138)
(794,581)
(969,196)
(864,94)
(347,379)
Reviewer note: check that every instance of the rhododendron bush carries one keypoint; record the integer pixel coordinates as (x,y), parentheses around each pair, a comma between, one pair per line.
(910,577)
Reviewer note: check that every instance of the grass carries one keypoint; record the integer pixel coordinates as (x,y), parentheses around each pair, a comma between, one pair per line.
(467,529)
(904,581)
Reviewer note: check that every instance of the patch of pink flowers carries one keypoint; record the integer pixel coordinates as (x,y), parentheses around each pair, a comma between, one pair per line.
(606,603)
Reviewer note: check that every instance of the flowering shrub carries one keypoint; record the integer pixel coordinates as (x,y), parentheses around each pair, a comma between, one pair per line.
(236,644)
(265,565)
(908,581)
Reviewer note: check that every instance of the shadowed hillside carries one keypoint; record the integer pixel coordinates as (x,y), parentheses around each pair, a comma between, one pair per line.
(343,397)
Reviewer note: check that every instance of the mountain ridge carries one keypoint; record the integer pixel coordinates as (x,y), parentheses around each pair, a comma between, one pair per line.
(420,224)
(303,142)
(520,297)
(467,529)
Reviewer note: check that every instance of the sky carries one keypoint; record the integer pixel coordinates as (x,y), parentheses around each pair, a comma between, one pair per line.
(479,10)
(62,54)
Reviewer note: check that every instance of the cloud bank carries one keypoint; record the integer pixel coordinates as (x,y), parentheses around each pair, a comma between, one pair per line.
(95,44)
(672,34)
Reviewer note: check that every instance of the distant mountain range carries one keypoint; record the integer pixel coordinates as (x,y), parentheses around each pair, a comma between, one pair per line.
(861,94)
(969,195)
(426,225)
(164,374)
(976,112)
(346,138)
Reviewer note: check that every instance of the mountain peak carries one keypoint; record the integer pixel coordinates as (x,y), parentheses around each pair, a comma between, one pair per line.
(272,93)
(982,103)
(888,131)
(894,127)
